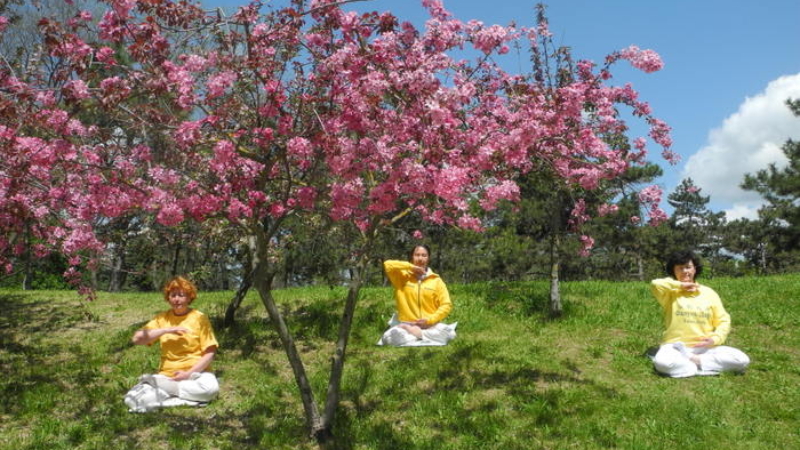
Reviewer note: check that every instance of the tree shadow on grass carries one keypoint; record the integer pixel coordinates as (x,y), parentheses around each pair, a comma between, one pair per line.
(516,299)
(24,363)
(469,374)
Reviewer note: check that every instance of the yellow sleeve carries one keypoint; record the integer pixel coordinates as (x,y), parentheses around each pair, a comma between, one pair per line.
(206,334)
(398,272)
(445,304)
(664,288)
(721,322)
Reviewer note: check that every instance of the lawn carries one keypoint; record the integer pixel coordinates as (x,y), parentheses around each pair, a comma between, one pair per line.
(512,379)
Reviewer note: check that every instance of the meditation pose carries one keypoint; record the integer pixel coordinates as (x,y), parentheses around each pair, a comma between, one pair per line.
(696,324)
(188,347)
(422,302)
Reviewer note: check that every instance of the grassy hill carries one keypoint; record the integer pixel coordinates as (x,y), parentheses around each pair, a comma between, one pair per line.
(511,380)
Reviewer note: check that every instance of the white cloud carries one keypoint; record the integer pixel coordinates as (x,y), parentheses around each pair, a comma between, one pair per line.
(741,210)
(747,141)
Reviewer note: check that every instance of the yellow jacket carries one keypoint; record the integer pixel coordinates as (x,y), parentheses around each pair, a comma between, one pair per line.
(417,299)
(689,316)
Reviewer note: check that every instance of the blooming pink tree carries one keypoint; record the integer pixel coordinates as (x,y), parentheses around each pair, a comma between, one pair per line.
(311,110)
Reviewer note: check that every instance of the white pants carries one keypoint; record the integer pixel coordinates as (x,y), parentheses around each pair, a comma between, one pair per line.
(439,334)
(159,391)
(673,360)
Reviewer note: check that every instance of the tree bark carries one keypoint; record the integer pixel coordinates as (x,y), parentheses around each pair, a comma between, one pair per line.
(114,283)
(263,275)
(244,287)
(555,266)
(338,359)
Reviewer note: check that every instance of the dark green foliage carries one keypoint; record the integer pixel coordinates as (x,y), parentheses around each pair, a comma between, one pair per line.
(779,249)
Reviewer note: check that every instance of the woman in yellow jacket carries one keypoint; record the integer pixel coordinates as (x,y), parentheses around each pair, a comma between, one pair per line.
(696,324)
(422,302)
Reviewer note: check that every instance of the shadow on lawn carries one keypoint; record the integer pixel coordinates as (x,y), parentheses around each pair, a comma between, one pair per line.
(468,382)
(518,299)
(24,365)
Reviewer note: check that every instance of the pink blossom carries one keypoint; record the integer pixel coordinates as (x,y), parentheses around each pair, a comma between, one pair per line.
(650,194)
(506,190)
(488,39)
(112,27)
(671,157)
(123,7)
(105,55)
(660,131)
(237,209)
(77,89)
(170,215)
(469,223)
(300,148)
(3,23)
(217,84)
(346,198)
(587,243)
(187,134)
(224,156)
(656,215)
(194,63)
(606,209)
(277,209)
(417,235)
(579,215)
(114,89)
(450,182)
(141,153)
(646,60)
(306,196)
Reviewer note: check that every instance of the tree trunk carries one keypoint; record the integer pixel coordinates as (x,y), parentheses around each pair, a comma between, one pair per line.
(244,287)
(555,295)
(338,359)
(114,283)
(262,281)
(639,266)
(175,257)
(27,279)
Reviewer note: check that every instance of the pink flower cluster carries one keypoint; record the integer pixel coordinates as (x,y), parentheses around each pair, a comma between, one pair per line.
(359,117)
(646,60)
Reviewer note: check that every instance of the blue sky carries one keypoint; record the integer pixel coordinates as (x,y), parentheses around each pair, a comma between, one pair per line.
(729,66)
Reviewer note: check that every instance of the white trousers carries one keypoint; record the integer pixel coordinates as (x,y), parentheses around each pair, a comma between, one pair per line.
(673,360)
(439,334)
(158,391)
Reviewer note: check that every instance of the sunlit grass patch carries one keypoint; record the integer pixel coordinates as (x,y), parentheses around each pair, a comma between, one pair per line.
(513,378)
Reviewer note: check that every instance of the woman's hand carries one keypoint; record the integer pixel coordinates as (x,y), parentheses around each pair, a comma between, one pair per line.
(422,323)
(181,375)
(419,270)
(690,286)
(705,342)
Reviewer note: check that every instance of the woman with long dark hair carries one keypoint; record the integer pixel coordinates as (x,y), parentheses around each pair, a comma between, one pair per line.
(422,302)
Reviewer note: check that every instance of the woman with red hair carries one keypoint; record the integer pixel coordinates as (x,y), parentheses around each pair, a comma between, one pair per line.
(188,347)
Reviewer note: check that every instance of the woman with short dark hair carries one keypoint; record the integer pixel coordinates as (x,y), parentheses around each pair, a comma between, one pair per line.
(696,324)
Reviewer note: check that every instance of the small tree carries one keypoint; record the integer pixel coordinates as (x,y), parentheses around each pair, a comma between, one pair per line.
(307,111)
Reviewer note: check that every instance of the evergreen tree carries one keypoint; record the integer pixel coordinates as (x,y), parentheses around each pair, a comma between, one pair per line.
(780,188)
(694,225)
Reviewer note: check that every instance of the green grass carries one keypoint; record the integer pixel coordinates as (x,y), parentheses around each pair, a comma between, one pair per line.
(511,380)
